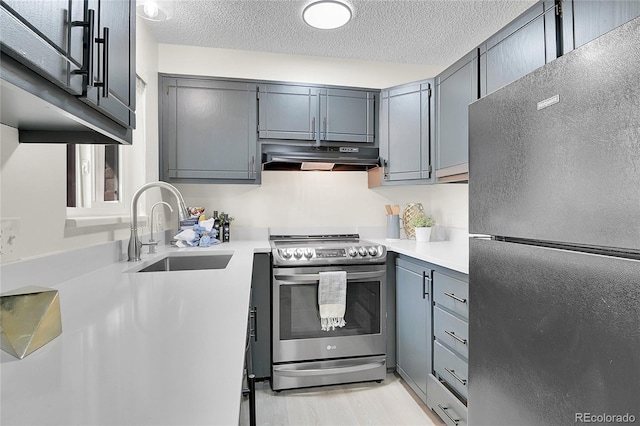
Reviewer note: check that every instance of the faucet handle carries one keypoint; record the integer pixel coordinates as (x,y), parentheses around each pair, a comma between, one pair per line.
(152,246)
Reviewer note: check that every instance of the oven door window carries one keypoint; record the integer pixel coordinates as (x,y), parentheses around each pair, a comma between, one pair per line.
(300,315)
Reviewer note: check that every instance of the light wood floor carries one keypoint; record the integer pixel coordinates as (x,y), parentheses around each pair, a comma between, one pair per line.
(386,403)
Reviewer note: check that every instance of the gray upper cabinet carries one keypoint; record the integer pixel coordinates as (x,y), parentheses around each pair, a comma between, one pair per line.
(208,129)
(585,20)
(77,59)
(456,88)
(413,324)
(288,112)
(113,86)
(318,114)
(406,132)
(347,115)
(39,34)
(525,44)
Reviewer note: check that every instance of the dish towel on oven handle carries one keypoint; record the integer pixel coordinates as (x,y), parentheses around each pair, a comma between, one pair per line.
(332,299)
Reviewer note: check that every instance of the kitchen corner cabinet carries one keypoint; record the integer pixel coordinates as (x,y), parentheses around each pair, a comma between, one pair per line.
(406,114)
(320,114)
(447,385)
(456,88)
(208,130)
(413,324)
(523,45)
(112,89)
(586,20)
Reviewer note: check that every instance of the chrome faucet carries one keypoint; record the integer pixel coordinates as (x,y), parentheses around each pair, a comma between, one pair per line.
(134,242)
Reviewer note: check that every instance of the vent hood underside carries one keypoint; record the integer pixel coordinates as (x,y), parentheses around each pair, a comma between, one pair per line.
(313,157)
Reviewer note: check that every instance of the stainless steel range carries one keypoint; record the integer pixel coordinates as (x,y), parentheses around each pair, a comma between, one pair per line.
(305,355)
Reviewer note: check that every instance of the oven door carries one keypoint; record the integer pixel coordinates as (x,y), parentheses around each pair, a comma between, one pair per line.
(297,335)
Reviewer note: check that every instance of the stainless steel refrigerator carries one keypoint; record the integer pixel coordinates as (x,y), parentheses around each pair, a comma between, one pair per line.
(554,181)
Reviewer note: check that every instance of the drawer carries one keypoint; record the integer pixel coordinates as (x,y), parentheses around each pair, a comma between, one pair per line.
(451,331)
(447,406)
(451,368)
(451,293)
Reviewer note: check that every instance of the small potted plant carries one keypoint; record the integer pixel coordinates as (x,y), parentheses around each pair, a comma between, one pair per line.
(422,225)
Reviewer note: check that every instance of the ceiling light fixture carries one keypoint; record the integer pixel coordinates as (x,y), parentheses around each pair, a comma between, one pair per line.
(326,14)
(155,10)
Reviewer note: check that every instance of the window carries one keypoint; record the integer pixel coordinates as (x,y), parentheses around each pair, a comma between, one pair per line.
(102,178)
(93,175)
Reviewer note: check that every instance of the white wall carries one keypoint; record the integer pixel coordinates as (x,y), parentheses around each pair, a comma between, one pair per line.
(294,68)
(307,199)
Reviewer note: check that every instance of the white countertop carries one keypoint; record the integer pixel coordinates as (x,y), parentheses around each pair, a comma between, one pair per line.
(449,254)
(140,348)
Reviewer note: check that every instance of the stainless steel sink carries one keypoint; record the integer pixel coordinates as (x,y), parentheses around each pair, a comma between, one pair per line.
(189,263)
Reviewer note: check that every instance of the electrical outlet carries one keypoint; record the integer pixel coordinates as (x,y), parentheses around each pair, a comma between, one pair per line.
(9,240)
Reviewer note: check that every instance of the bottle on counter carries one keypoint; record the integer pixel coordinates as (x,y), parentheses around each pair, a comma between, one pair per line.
(225,229)
(216,224)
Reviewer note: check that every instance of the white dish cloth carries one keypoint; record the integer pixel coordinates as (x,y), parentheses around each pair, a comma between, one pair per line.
(332,299)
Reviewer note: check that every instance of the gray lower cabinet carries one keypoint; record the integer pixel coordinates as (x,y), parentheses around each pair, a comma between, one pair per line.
(586,20)
(315,113)
(260,321)
(523,45)
(447,385)
(456,88)
(413,324)
(406,114)
(208,130)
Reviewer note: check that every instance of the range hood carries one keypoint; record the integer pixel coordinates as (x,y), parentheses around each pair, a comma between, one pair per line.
(319,157)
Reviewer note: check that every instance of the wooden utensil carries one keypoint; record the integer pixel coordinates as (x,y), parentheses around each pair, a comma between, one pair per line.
(388,207)
(395,209)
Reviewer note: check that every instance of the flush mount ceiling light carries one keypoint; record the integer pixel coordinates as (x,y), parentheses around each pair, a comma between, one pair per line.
(326,14)
(155,10)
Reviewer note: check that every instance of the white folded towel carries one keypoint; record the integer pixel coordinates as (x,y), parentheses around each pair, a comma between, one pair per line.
(332,299)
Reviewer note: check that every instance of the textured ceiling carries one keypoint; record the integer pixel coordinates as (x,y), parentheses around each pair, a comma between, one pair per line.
(426,32)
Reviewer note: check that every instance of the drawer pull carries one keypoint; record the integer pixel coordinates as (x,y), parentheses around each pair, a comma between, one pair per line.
(459,339)
(455,376)
(454,297)
(445,411)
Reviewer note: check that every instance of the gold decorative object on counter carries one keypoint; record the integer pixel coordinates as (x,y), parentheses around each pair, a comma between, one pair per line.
(29,319)
(410,211)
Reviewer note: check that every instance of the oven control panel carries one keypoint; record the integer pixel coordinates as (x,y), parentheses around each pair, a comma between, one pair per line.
(353,254)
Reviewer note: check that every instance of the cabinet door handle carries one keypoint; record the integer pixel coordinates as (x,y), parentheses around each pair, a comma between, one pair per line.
(324,124)
(425,278)
(313,128)
(446,412)
(385,173)
(105,63)
(252,166)
(454,297)
(459,339)
(254,329)
(87,48)
(455,376)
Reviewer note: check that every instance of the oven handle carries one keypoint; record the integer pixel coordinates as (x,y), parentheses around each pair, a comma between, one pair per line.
(284,371)
(297,278)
